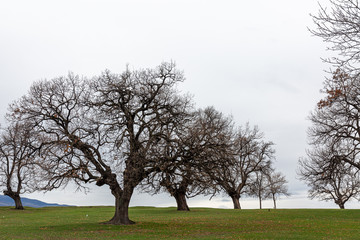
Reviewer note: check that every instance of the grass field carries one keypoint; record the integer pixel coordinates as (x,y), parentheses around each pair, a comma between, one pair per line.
(167,223)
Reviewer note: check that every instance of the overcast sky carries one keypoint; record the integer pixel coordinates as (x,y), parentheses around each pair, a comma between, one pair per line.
(255,60)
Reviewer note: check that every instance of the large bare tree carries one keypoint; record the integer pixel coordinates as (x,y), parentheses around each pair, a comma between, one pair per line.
(103,130)
(248,154)
(328,181)
(17,170)
(336,119)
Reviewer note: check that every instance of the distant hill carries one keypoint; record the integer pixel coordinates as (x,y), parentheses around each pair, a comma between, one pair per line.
(27,202)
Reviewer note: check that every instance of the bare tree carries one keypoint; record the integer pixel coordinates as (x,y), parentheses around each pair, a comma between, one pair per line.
(190,152)
(258,185)
(249,153)
(17,170)
(339,182)
(336,120)
(175,174)
(339,25)
(103,130)
(276,186)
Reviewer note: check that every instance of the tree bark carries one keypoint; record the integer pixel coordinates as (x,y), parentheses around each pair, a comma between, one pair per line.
(274,201)
(236,201)
(181,201)
(340,203)
(122,201)
(260,202)
(18,203)
(16,198)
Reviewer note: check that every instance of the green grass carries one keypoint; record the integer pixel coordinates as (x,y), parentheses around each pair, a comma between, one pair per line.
(167,223)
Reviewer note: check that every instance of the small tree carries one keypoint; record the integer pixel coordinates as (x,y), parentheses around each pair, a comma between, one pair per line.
(338,182)
(17,170)
(258,185)
(276,186)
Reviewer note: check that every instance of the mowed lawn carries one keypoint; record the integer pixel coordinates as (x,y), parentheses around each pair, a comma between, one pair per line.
(167,223)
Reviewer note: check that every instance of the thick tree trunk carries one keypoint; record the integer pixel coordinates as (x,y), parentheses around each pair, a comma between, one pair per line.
(16,198)
(236,201)
(274,199)
(340,203)
(260,203)
(122,201)
(181,201)
(18,203)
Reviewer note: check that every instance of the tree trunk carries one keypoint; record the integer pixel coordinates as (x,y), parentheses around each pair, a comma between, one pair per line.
(181,201)
(274,201)
(16,198)
(18,203)
(340,203)
(259,196)
(236,201)
(122,201)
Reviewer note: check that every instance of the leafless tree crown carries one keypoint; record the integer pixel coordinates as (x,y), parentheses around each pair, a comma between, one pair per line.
(104,129)
(339,25)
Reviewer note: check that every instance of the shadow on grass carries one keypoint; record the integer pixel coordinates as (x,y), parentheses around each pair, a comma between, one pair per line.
(98,226)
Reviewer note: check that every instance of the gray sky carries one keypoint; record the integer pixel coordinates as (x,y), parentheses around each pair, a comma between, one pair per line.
(255,60)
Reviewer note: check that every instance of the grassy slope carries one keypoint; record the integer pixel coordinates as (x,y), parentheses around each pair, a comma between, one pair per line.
(167,223)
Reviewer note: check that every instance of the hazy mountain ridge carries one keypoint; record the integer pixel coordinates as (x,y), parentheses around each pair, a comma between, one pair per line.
(27,202)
